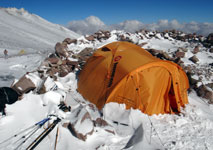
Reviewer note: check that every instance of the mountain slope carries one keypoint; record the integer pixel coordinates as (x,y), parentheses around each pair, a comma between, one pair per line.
(22,30)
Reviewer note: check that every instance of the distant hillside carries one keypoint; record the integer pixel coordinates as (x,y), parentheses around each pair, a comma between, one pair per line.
(20,29)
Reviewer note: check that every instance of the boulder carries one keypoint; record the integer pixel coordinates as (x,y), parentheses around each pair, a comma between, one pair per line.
(76,134)
(205,92)
(142,44)
(85,54)
(53,60)
(181,49)
(100,122)
(209,41)
(154,52)
(194,59)
(60,50)
(81,124)
(164,55)
(211,50)
(180,54)
(102,35)
(210,38)
(196,50)
(69,41)
(178,61)
(24,85)
(52,71)
(90,38)
(210,85)
(123,38)
(192,82)
(52,56)
(64,70)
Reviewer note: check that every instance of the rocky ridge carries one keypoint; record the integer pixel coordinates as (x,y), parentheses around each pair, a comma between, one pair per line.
(192,52)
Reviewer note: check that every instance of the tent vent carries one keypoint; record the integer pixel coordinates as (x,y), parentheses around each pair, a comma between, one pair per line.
(105,49)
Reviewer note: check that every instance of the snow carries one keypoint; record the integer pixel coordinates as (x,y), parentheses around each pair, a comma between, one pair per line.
(37,37)
(191,129)
(22,30)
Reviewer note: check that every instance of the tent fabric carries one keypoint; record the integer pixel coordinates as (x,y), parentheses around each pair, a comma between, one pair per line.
(125,73)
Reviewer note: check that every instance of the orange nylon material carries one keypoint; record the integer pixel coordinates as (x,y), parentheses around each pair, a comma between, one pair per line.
(125,73)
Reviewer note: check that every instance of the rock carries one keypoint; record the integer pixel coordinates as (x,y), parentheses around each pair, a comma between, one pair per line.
(211,50)
(178,61)
(209,41)
(180,54)
(52,71)
(154,52)
(64,70)
(192,82)
(69,62)
(210,85)
(52,56)
(205,92)
(189,36)
(142,44)
(53,60)
(196,50)
(75,133)
(85,54)
(102,35)
(181,38)
(90,38)
(81,123)
(69,41)
(100,122)
(123,38)
(60,50)
(181,49)
(164,55)
(210,38)
(194,59)
(24,85)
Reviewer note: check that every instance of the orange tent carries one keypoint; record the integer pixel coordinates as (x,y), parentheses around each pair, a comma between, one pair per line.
(125,73)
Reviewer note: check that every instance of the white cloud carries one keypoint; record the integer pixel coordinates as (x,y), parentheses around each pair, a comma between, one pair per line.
(87,26)
(93,24)
(129,26)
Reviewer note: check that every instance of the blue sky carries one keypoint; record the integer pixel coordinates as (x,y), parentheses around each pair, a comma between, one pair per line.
(115,11)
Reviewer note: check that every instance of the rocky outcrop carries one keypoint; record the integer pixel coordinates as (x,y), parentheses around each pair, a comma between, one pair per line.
(100,35)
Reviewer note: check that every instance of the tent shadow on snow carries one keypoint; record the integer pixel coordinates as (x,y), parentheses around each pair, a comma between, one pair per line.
(122,72)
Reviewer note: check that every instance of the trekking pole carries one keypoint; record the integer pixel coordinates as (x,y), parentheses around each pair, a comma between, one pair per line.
(56,138)
(40,123)
(27,137)
(43,134)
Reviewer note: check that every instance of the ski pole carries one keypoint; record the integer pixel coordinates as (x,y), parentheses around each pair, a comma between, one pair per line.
(56,138)
(40,123)
(43,135)
(27,138)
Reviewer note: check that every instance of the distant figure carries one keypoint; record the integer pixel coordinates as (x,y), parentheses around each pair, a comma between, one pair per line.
(5,54)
